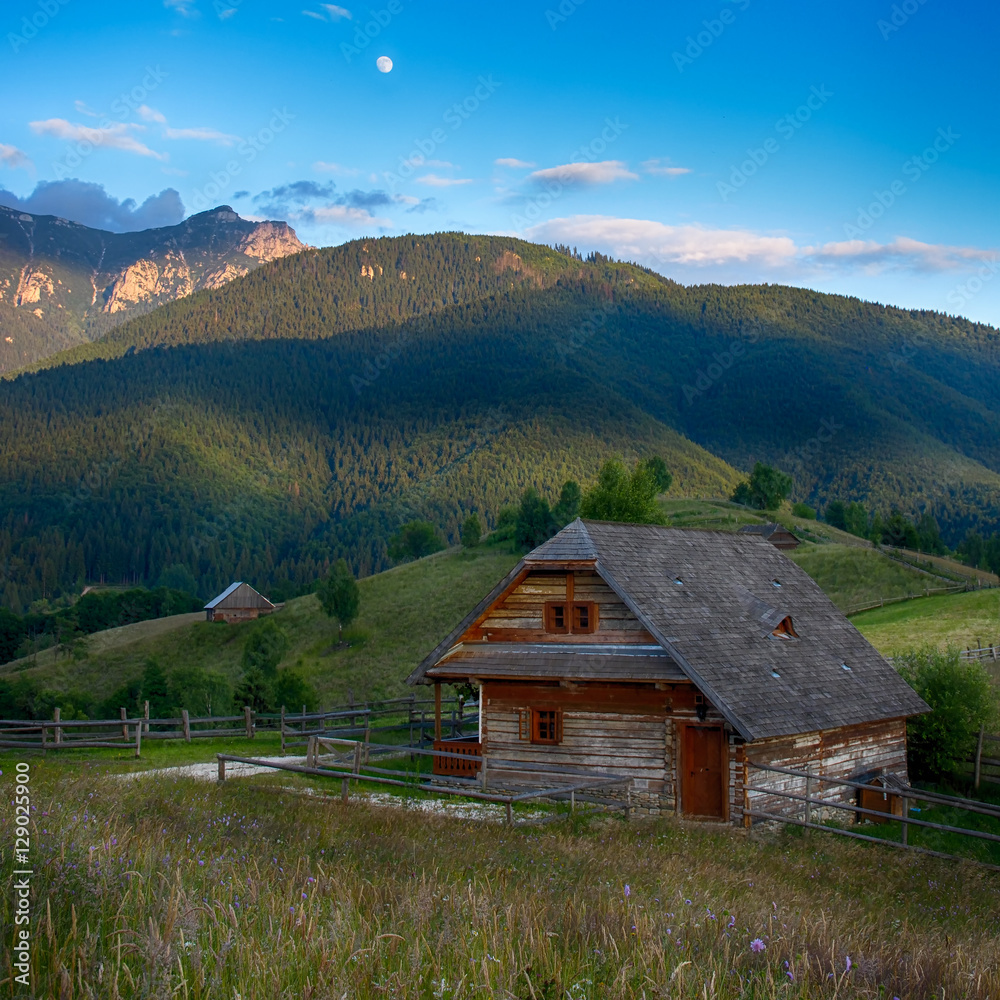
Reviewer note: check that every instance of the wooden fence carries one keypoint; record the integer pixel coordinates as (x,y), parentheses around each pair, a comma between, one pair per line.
(855,609)
(981,652)
(326,757)
(897,808)
(979,761)
(403,715)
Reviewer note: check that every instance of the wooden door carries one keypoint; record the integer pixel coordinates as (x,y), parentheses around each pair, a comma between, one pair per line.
(704,767)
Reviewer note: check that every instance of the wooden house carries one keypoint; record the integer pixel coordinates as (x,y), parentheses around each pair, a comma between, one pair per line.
(239,602)
(777,534)
(677,658)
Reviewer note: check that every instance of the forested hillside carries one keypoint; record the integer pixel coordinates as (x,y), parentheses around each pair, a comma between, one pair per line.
(305,411)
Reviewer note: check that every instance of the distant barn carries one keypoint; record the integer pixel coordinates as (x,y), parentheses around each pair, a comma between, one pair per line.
(777,534)
(239,602)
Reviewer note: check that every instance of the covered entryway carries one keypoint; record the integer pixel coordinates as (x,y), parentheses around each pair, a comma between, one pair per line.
(703,772)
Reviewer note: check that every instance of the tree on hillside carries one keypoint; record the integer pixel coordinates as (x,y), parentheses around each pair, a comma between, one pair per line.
(962,701)
(292,691)
(662,476)
(620,495)
(264,647)
(178,577)
(929,535)
(472,531)
(568,506)
(255,690)
(155,690)
(339,596)
(535,522)
(201,692)
(899,532)
(414,541)
(766,488)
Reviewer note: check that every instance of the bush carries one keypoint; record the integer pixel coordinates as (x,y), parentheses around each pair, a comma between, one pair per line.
(765,489)
(414,541)
(961,699)
(472,531)
(620,495)
(264,648)
(293,692)
(803,510)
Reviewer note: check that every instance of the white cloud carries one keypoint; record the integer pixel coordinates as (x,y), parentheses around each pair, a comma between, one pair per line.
(697,246)
(116,136)
(201,135)
(313,14)
(510,161)
(335,12)
(186,8)
(11,156)
(345,215)
(83,109)
(225,13)
(663,169)
(433,180)
(148,114)
(603,172)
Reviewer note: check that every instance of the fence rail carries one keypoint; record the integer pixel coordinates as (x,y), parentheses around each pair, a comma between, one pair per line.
(402,715)
(903,793)
(856,609)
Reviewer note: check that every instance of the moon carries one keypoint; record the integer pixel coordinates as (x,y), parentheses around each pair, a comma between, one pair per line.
(384,64)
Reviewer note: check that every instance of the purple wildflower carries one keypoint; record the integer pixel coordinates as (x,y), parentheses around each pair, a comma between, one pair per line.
(732,922)
(757,946)
(628,891)
(848,969)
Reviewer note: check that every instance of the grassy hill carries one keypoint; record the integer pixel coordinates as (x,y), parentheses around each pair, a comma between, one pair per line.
(303,412)
(407,610)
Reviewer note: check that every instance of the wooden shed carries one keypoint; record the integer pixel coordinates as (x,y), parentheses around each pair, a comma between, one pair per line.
(676,658)
(777,534)
(239,602)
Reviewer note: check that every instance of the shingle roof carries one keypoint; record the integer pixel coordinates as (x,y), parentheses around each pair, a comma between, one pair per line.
(217,600)
(711,599)
(562,661)
(765,529)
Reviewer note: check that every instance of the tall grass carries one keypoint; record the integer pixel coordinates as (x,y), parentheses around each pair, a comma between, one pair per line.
(250,890)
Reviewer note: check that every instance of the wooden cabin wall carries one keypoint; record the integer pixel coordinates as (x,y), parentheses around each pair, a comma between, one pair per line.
(848,752)
(519,617)
(627,729)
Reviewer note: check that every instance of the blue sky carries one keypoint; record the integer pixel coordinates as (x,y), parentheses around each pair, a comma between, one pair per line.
(844,146)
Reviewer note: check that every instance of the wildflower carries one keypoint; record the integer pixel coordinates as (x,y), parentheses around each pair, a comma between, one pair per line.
(757,946)
(628,891)
(732,922)
(848,969)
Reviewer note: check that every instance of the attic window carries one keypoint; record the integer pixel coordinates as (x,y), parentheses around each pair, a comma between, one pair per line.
(776,675)
(578,616)
(679,582)
(785,629)
(775,583)
(844,666)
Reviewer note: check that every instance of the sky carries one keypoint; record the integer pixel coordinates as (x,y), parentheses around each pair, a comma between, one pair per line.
(845,146)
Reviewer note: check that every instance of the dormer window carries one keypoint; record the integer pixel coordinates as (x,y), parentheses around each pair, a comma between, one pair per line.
(785,629)
(576,616)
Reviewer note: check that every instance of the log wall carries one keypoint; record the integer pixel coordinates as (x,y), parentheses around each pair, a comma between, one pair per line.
(853,752)
(519,616)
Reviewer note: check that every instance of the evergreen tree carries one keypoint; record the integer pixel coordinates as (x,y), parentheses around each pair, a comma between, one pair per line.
(264,647)
(568,506)
(155,690)
(339,596)
(255,690)
(472,531)
(623,496)
(293,692)
(534,522)
(662,476)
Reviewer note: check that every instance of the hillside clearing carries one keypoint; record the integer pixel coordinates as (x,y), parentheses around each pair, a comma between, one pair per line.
(961,620)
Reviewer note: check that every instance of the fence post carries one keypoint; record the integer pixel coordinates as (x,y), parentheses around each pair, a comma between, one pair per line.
(311,752)
(186,725)
(123,715)
(282,730)
(350,704)
(303,720)
(808,816)
(979,755)
(138,738)
(904,802)
(482,770)
(222,770)
(248,721)
(747,819)
(357,758)
(57,716)
(145,715)
(345,785)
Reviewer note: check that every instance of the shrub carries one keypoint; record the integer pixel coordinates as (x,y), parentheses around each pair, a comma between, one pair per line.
(265,646)
(472,531)
(292,691)
(804,510)
(961,699)
(620,495)
(765,489)
(414,541)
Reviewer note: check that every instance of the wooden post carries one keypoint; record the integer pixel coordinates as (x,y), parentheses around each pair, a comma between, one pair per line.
(412,707)
(311,752)
(222,770)
(186,725)
(350,704)
(979,754)
(572,801)
(145,715)
(368,734)
(904,802)
(510,813)
(138,739)
(43,734)
(437,710)
(747,818)
(482,772)
(248,721)
(303,720)
(345,793)
(282,730)
(57,716)
(808,815)
(123,716)
(357,758)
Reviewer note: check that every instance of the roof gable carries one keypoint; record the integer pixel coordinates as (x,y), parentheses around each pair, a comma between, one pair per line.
(238,595)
